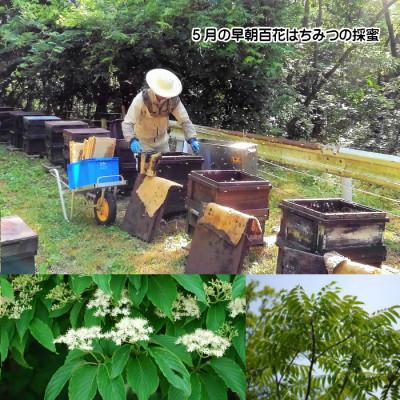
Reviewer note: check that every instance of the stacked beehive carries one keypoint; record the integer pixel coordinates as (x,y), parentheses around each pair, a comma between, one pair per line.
(18,246)
(55,139)
(4,124)
(16,127)
(127,162)
(236,189)
(311,228)
(34,134)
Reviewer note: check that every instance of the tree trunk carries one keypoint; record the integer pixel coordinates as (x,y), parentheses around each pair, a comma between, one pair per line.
(306,16)
(392,38)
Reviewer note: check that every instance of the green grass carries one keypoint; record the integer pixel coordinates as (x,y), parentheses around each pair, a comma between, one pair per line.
(81,246)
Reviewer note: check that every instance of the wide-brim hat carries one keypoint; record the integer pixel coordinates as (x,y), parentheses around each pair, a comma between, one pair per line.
(164,83)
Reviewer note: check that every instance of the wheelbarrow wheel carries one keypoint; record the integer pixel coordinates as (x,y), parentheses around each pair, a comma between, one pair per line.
(105,209)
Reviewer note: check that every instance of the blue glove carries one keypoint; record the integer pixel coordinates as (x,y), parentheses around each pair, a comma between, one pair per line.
(195,145)
(135,146)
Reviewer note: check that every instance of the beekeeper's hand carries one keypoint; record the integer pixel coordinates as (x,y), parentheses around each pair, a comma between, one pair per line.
(195,145)
(135,145)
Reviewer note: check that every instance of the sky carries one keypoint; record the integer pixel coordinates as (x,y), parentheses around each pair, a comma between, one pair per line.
(377,291)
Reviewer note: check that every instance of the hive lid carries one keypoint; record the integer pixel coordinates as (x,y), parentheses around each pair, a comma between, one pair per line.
(24,113)
(14,229)
(332,209)
(86,131)
(65,123)
(42,118)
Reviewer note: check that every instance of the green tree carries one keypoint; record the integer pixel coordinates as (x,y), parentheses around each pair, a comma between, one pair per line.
(321,346)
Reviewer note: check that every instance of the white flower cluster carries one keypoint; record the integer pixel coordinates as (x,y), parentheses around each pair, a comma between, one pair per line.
(103,304)
(61,295)
(217,290)
(128,330)
(237,306)
(25,288)
(185,306)
(123,306)
(81,338)
(206,343)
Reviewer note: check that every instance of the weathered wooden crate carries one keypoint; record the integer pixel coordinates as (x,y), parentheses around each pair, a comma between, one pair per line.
(321,225)
(176,167)
(236,189)
(294,261)
(18,245)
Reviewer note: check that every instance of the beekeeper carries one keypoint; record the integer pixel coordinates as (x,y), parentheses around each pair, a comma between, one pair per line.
(146,123)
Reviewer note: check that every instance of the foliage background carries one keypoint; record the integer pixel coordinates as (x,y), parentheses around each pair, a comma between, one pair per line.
(86,57)
(29,359)
(320,346)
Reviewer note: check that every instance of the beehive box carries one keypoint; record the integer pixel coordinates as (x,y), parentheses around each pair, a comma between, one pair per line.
(321,225)
(34,135)
(34,126)
(294,261)
(18,245)
(5,125)
(236,189)
(223,155)
(176,167)
(17,126)
(55,129)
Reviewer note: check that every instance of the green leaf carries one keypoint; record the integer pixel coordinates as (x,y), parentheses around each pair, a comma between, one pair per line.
(239,286)
(231,374)
(103,282)
(4,344)
(176,394)
(19,358)
(74,314)
(110,389)
(90,319)
(42,333)
(215,316)
(117,284)
(196,387)
(80,283)
(178,349)
(6,289)
(82,385)
(172,368)
(142,376)
(162,293)
(239,342)
(119,360)
(59,379)
(192,283)
(212,388)
(137,288)
(22,324)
